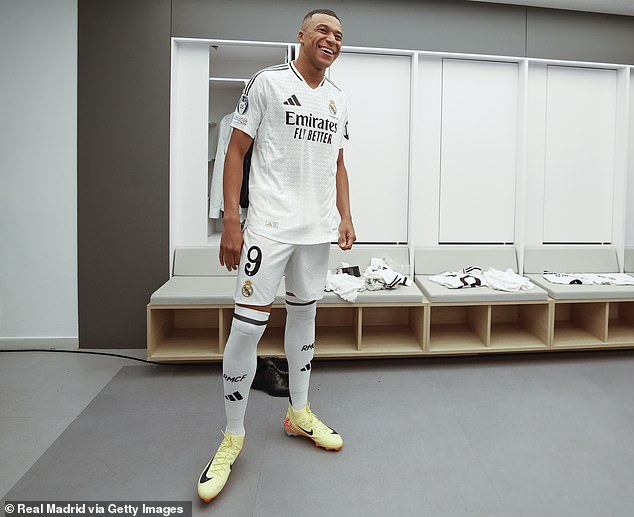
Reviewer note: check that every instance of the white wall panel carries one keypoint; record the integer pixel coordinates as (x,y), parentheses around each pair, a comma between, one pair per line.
(580,154)
(377,156)
(425,174)
(478,151)
(629,229)
(189,141)
(38,174)
(535,155)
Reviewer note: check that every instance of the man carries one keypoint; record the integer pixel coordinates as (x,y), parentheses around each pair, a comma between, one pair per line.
(297,120)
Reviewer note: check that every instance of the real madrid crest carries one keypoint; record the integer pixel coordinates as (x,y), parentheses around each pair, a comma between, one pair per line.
(243,104)
(247,288)
(333,107)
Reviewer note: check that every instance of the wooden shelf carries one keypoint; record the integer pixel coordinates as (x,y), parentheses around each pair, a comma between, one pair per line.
(272,342)
(389,340)
(192,333)
(620,332)
(570,335)
(335,340)
(580,324)
(621,323)
(188,345)
(512,336)
(451,337)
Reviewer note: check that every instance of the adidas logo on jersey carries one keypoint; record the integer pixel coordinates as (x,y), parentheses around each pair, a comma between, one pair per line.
(292,101)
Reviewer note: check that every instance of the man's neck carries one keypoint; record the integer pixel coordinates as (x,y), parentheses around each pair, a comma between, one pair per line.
(312,75)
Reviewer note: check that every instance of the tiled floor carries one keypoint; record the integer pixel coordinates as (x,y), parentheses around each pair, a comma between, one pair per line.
(511,436)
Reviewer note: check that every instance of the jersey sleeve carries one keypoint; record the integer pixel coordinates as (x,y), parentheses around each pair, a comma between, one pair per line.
(345,135)
(250,108)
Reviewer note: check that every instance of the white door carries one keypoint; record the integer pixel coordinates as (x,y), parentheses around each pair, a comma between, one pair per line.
(580,154)
(377,156)
(478,155)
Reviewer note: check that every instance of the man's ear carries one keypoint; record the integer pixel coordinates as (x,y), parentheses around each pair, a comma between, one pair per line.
(300,36)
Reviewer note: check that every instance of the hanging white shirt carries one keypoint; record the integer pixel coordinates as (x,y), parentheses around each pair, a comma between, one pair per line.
(216,198)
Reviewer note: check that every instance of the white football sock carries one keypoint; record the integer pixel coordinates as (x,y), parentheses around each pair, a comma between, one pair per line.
(240,362)
(299,346)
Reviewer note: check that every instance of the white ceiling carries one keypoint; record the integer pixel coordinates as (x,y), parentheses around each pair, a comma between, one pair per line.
(596,6)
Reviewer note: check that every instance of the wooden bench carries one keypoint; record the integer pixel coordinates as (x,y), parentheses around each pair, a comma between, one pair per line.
(480,319)
(585,316)
(189,317)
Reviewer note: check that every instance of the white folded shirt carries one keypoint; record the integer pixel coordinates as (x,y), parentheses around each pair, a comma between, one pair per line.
(468,277)
(379,275)
(589,278)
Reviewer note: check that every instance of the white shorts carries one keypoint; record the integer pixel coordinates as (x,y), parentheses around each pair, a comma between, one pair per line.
(264,261)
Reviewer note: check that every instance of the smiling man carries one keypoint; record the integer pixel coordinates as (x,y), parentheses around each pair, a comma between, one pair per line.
(297,120)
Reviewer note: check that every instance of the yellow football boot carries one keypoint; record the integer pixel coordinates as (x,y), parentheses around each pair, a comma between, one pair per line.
(305,423)
(216,473)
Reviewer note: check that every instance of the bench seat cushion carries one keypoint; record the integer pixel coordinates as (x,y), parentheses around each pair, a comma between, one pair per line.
(582,292)
(629,260)
(196,290)
(431,261)
(218,290)
(440,294)
(403,294)
(570,259)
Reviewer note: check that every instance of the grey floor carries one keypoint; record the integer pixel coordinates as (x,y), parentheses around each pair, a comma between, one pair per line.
(524,435)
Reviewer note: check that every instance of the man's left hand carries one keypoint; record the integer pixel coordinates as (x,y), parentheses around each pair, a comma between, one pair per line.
(346,235)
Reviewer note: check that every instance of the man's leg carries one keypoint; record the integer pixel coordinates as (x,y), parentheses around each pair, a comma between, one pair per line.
(260,271)
(240,361)
(305,282)
(299,346)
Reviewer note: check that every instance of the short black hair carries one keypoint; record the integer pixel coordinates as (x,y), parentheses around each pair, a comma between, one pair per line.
(320,11)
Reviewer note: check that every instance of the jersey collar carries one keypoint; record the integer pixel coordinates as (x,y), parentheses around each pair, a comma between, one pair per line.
(301,78)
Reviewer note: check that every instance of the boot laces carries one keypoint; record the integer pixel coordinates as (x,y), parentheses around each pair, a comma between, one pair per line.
(311,421)
(225,456)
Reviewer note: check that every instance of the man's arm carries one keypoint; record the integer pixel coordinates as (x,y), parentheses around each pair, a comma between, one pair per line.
(347,235)
(231,239)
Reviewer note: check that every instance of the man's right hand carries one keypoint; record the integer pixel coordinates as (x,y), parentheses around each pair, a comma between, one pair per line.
(231,244)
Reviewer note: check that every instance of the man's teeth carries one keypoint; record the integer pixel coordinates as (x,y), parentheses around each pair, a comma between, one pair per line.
(327,51)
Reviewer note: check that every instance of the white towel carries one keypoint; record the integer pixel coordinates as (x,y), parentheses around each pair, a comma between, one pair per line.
(346,286)
(507,280)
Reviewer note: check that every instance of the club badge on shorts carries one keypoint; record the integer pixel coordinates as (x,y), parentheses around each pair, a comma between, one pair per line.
(247,288)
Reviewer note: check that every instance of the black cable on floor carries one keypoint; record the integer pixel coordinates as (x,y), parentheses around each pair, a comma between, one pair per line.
(98,353)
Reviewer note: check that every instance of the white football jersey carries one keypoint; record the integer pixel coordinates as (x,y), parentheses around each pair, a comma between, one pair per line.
(297,132)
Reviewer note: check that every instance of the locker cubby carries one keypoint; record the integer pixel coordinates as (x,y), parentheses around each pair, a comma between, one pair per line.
(392,330)
(183,334)
(621,323)
(459,328)
(272,342)
(337,331)
(521,326)
(580,324)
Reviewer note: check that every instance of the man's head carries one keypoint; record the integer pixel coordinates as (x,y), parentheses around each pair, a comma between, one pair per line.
(320,37)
